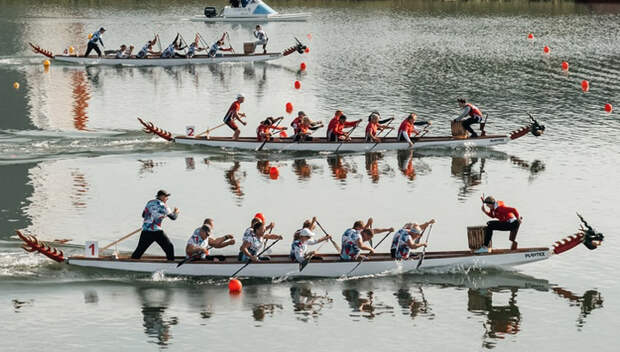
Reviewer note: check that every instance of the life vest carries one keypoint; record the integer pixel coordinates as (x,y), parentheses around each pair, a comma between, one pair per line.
(504,213)
(371,129)
(407,127)
(234,107)
(296,123)
(473,110)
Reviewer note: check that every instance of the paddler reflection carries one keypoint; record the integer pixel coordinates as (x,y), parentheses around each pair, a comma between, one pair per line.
(157,324)
(413,306)
(463,168)
(307,304)
(501,319)
(372,166)
(365,307)
(302,169)
(234,181)
(405,163)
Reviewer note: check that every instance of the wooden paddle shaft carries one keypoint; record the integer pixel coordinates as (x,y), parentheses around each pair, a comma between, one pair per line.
(121,239)
(210,129)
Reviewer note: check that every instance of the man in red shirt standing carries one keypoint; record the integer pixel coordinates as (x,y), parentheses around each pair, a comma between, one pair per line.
(335,129)
(508,219)
(233,114)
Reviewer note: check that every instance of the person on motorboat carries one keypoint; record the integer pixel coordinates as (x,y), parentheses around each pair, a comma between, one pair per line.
(508,219)
(92,42)
(299,247)
(123,53)
(263,131)
(201,240)
(170,51)
(473,114)
(407,127)
(373,128)
(233,114)
(335,129)
(408,238)
(252,244)
(353,239)
(218,46)
(153,214)
(260,34)
(147,49)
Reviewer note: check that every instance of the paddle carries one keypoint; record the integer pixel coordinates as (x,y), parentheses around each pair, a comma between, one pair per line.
(361,261)
(121,239)
(209,130)
(189,259)
(424,250)
(266,139)
(391,129)
(331,240)
(229,43)
(346,137)
(303,264)
(250,262)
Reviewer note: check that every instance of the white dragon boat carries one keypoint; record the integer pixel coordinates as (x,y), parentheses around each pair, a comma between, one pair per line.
(357,144)
(255,11)
(111,60)
(330,265)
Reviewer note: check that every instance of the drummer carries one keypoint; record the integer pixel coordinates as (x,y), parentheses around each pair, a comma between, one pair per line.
(473,114)
(260,34)
(252,244)
(233,114)
(92,42)
(153,214)
(201,241)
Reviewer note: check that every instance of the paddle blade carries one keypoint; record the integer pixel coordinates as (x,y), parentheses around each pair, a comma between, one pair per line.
(303,264)
(420,262)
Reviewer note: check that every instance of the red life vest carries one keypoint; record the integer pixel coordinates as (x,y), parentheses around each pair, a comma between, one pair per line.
(371,129)
(473,110)
(296,124)
(407,127)
(504,213)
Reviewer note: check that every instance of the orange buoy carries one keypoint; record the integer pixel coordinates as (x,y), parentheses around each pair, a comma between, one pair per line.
(609,108)
(297,84)
(546,50)
(585,85)
(564,65)
(274,173)
(302,66)
(234,286)
(307,50)
(309,36)
(46,63)
(71,50)
(16,85)
(283,134)
(530,36)
(289,107)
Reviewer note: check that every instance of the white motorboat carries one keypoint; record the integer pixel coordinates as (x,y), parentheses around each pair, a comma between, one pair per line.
(254,11)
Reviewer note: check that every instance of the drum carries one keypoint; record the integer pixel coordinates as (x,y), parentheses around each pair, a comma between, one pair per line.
(249,47)
(458,131)
(475,236)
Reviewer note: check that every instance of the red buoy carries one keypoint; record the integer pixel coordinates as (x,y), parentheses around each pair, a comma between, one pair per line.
(302,66)
(309,36)
(609,108)
(297,84)
(274,173)
(307,50)
(289,107)
(585,85)
(530,36)
(546,50)
(564,65)
(234,286)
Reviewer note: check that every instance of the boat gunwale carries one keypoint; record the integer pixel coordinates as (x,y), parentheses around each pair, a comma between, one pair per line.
(323,140)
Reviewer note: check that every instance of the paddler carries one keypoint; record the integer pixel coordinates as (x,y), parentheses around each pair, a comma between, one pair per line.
(353,239)
(153,214)
(260,34)
(218,46)
(200,241)
(252,244)
(123,53)
(335,129)
(258,217)
(408,238)
(92,42)
(374,126)
(194,47)
(299,247)
(302,123)
(170,51)
(263,131)
(407,127)
(233,114)
(147,49)
(508,219)
(475,116)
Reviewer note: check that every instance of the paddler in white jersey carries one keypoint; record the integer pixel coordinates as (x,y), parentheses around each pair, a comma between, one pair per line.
(260,34)
(299,247)
(250,249)
(218,46)
(201,240)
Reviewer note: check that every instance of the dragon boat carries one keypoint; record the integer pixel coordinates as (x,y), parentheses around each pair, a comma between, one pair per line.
(329,266)
(356,144)
(111,60)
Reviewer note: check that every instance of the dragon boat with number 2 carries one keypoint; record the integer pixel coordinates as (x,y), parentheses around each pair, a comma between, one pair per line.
(356,144)
(328,266)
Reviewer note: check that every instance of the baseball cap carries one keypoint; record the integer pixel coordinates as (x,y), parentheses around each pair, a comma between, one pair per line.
(306,233)
(162,192)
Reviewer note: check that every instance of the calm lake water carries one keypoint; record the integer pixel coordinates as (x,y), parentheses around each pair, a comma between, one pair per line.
(74,165)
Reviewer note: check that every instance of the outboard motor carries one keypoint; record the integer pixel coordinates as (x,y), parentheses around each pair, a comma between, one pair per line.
(210,11)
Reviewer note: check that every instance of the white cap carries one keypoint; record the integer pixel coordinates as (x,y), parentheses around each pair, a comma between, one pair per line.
(306,233)
(240,95)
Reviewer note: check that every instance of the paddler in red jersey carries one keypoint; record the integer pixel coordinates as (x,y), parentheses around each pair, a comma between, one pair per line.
(335,129)
(374,126)
(508,219)
(407,127)
(263,131)
(473,114)
(233,114)
(304,127)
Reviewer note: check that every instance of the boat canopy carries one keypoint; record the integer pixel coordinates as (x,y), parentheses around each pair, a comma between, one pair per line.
(262,8)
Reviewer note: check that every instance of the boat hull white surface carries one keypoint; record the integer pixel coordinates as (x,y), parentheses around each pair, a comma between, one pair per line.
(291,17)
(79,60)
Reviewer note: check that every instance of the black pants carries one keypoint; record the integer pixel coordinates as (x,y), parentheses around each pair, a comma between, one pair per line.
(513,227)
(146,240)
(470,121)
(90,47)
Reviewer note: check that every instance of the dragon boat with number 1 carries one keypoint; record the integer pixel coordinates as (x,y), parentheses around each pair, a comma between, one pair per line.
(356,144)
(330,265)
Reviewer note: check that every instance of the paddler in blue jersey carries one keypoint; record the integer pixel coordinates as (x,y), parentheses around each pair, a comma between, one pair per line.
(218,46)
(153,214)
(92,42)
